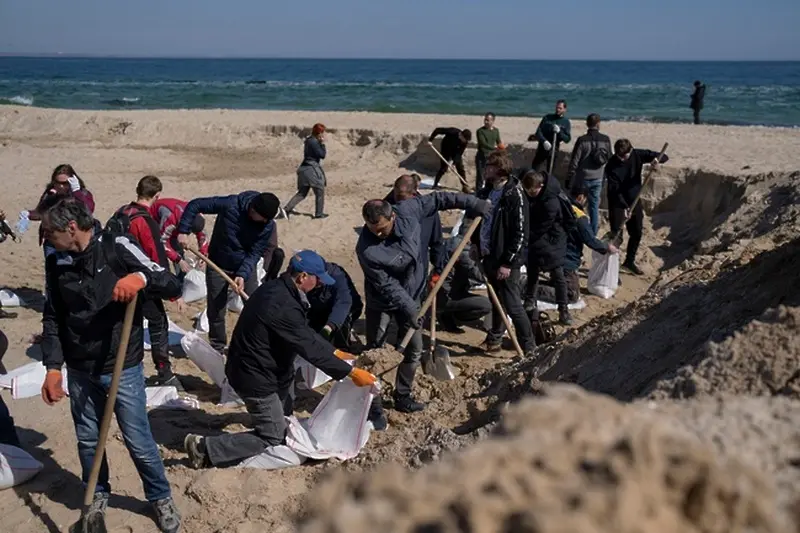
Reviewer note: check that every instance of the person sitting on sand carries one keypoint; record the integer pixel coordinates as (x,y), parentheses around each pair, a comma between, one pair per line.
(552,125)
(272,330)
(310,175)
(454,143)
(488,141)
(624,176)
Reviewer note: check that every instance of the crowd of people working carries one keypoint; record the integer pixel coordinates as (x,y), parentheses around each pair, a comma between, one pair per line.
(310,308)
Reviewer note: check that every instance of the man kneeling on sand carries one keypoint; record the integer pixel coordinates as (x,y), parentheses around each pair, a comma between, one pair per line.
(273,329)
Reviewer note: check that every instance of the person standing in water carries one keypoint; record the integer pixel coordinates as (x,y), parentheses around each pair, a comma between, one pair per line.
(698,96)
(310,175)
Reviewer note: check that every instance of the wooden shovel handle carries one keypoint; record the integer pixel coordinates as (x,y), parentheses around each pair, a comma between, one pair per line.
(219,271)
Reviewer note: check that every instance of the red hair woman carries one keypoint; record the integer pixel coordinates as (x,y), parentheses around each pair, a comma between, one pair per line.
(310,175)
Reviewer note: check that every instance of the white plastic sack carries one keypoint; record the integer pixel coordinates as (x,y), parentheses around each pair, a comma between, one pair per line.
(194,286)
(541,305)
(338,427)
(7,379)
(175,334)
(167,398)
(274,458)
(235,303)
(312,376)
(16,466)
(604,275)
(201,321)
(29,383)
(459,222)
(9,299)
(209,361)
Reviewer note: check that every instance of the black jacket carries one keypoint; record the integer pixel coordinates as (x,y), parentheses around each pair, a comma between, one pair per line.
(698,96)
(625,177)
(510,227)
(452,147)
(333,304)
(548,239)
(82,325)
(272,330)
(431,241)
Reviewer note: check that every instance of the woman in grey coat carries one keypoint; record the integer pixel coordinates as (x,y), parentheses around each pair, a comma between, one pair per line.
(310,175)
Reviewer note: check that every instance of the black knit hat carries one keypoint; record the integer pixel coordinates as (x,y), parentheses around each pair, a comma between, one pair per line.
(266,204)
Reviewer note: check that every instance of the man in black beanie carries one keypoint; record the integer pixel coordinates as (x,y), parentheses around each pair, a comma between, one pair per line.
(242,233)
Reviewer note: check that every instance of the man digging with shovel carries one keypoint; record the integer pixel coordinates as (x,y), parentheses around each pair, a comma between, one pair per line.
(390,253)
(88,278)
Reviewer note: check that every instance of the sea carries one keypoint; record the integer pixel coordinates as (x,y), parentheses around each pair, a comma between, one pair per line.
(741,93)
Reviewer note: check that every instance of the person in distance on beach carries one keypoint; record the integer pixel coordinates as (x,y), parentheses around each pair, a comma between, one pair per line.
(698,96)
(392,259)
(587,164)
(242,233)
(488,141)
(272,330)
(552,125)
(310,175)
(454,143)
(624,175)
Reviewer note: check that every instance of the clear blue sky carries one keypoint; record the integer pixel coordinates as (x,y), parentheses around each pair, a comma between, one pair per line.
(512,29)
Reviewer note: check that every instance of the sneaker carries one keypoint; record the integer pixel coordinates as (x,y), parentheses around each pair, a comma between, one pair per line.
(323,215)
(195,447)
(407,404)
(167,516)
(165,378)
(6,314)
(631,267)
(490,347)
(564,318)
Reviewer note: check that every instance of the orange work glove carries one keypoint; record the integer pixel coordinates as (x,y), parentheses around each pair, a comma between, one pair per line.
(344,356)
(127,287)
(501,146)
(52,389)
(362,378)
(433,281)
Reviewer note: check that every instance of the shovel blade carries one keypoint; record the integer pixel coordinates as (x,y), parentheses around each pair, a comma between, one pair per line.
(89,523)
(442,369)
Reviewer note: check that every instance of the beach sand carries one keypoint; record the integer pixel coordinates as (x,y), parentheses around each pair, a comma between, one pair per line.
(727,195)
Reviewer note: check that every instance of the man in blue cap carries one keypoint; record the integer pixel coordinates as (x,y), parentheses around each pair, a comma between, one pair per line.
(272,329)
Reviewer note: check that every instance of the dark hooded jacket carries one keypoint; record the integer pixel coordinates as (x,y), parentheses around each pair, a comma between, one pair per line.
(547,245)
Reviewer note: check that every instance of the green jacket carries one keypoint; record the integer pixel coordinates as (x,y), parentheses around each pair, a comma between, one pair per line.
(488,139)
(545,130)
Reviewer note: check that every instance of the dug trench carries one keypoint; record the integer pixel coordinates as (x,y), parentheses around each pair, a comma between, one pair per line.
(706,364)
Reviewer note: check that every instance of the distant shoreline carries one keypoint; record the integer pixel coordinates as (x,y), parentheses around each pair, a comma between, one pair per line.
(55,55)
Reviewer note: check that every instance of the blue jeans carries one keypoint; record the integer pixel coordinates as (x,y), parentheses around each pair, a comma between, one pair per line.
(595,189)
(87,398)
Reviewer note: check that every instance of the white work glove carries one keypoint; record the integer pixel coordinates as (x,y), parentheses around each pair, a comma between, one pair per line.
(547,145)
(23,222)
(556,128)
(74,184)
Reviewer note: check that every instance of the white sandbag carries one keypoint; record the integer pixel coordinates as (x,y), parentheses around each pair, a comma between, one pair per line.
(168,398)
(9,299)
(604,275)
(312,376)
(175,334)
(338,427)
(194,286)
(274,458)
(7,379)
(16,466)
(542,305)
(426,183)
(211,362)
(235,303)
(457,226)
(201,321)
(29,384)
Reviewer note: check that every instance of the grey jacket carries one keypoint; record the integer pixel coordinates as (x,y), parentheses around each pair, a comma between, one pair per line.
(310,173)
(394,268)
(581,165)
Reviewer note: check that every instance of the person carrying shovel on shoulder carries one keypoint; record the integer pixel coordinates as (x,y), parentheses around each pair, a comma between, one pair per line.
(89,277)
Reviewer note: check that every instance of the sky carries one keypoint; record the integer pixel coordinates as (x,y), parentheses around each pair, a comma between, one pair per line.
(427,29)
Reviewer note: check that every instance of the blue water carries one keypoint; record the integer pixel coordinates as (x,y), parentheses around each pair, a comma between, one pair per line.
(766,93)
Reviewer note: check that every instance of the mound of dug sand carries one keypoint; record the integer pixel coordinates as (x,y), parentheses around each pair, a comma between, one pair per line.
(567,462)
(762,359)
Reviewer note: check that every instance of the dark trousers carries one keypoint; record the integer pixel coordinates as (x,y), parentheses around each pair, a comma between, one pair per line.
(273,269)
(696,114)
(458,162)
(541,160)
(546,292)
(8,434)
(217,305)
(377,325)
(556,280)
(509,292)
(300,195)
(269,429)
(158,327)
(634,225)
(480,166)
(465,310)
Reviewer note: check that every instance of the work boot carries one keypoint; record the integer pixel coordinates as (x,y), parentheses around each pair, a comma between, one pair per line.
(195,447)
(448,324)
(167,516)
(631,267)
(490,347)
(377,416)
(6,314)
(564,318)
(407,404)
(323,215)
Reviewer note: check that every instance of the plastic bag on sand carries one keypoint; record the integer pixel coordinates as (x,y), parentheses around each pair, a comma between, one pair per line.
(338,426)
(604,275)
(194,286)
(174,337)
(16,466)
(29,383)
(9,299)
(168,398)
(211,362)
(542,305)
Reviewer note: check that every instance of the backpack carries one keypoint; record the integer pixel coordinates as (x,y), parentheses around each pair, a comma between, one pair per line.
(599,155)
(120,224)
(568,218)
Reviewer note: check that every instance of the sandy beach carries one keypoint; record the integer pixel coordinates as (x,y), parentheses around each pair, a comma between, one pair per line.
(716,314)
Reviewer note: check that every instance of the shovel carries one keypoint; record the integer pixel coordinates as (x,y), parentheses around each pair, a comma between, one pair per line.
(93,523)
(437,361)
(219,271)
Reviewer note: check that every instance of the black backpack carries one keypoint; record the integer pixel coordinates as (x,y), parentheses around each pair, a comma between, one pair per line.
(120,224)
(568,218)
(599,155)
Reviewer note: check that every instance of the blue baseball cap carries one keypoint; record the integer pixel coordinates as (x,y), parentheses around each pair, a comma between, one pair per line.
(311,263)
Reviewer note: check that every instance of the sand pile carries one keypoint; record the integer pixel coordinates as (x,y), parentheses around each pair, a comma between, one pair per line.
(570,461)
